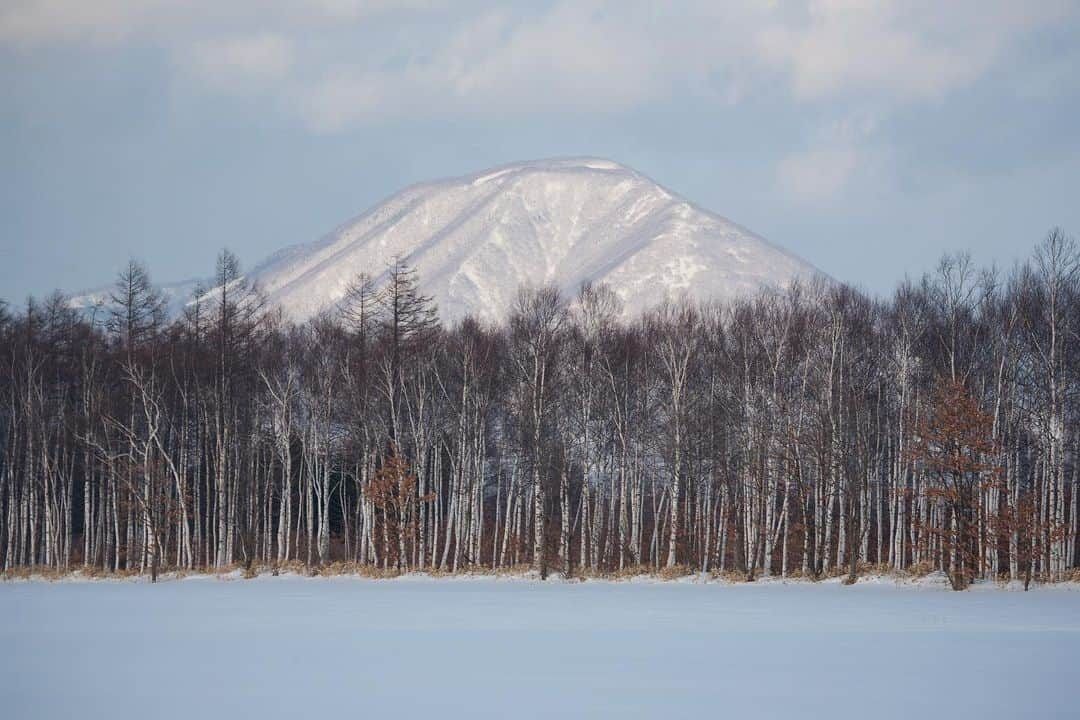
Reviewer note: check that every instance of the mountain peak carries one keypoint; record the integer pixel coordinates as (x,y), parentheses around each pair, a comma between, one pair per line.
(553,165)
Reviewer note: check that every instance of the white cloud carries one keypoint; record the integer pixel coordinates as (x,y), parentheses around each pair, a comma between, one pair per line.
(342,99)
(817,174)
(905,50)
(596,55)
(340,63)
(582,56)
(835,154)
(28,23)
(351,9)
(33,23)
(243,62)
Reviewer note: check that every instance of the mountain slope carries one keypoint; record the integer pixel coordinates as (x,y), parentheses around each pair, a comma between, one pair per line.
(474,240)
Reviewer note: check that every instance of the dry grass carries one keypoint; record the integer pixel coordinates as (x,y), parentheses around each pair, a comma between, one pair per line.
(919,570)
(729,576)
(1072,576)
(352,569)
(875,569)
(51,574)
(675,572)
(627,573)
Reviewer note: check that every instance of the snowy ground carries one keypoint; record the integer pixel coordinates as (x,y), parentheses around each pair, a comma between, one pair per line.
(501,648)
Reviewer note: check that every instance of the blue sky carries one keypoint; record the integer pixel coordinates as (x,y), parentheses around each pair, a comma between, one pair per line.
(867,137)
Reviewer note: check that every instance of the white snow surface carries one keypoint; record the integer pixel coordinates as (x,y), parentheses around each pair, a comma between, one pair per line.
(495,648)
(99,300)
(474,240)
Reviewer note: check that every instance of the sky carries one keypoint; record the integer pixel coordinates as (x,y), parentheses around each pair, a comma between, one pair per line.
(867,137)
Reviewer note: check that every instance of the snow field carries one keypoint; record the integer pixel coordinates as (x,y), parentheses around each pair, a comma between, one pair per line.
(499,648)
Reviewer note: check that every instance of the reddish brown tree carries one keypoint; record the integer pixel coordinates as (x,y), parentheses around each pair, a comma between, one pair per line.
(393,493)
(954,447)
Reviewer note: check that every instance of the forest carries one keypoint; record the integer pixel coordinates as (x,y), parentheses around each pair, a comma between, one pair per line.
(817,431)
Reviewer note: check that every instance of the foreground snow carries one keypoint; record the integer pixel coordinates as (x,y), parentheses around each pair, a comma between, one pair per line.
(419,647)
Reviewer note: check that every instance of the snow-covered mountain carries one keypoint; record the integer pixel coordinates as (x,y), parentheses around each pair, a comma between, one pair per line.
(175,294)
(474,240)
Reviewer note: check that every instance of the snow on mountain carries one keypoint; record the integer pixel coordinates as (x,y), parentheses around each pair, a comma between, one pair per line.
(474,240)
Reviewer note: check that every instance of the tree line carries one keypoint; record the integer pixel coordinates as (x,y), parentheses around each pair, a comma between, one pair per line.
(812,431)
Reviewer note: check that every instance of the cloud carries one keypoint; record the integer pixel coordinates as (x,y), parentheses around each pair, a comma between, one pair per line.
(28,23)
(338,64)
(825,168)
(593,55)
(241,62)
(568,58)
(351,9)
(587,55)
(34,23)
(904,50)
(817,174)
